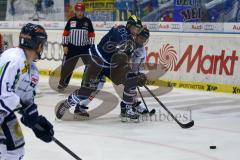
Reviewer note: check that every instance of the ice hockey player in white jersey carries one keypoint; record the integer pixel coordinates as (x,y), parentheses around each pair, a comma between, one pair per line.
(138,60)
(18,78)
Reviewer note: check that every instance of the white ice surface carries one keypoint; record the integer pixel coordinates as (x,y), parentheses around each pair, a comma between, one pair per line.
(217,122)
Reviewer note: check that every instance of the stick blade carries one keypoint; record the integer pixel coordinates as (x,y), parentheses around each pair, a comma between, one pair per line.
(187,125)
(152,112)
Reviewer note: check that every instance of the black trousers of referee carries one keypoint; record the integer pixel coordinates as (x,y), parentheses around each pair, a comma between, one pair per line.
(70,60)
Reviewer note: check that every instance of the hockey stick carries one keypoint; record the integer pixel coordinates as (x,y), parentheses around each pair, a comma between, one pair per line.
(65,148)
(187,125)
(59,143)
(153,111)
(54,139)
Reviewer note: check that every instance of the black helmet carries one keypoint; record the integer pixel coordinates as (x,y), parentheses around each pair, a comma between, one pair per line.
(145,33)
(32,35)
(135,21)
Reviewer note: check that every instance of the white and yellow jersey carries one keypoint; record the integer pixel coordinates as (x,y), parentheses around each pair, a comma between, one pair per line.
(17,79)
(25,88)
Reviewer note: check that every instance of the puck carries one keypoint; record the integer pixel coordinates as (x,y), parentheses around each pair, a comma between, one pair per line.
(213,147)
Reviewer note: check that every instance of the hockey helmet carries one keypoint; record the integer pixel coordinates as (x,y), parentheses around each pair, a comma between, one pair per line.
(134,21)
(32,35)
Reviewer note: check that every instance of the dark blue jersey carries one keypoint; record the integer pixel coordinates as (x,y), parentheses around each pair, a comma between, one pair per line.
(117,41)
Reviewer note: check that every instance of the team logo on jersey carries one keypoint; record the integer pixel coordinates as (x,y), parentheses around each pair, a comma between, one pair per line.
(85,26)
(34,81)
(73,24)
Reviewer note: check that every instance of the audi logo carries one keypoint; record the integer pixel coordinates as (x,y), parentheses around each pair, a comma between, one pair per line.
(209,27)
(175,26)
(53,51)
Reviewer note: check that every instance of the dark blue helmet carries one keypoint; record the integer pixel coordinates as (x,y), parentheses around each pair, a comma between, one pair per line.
(32,35)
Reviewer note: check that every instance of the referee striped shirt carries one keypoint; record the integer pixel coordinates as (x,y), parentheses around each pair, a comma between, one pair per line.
(78,32)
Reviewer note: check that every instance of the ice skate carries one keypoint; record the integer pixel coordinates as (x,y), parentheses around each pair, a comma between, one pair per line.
(140,108)
(61,110)
(61,87)
(81,110)
(71,101)
(127,113)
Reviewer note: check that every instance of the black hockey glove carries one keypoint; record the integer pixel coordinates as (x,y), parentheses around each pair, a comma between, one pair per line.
(43,129)
(140,78)
(29,115)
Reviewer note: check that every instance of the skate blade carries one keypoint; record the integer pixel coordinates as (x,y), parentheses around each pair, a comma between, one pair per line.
(80,117)
(127,119)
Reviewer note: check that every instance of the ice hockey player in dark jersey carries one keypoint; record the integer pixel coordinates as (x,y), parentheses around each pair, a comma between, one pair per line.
(109,58)
(137,61)
(118,39)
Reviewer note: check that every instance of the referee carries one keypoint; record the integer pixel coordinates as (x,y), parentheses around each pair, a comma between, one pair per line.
(78,36)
